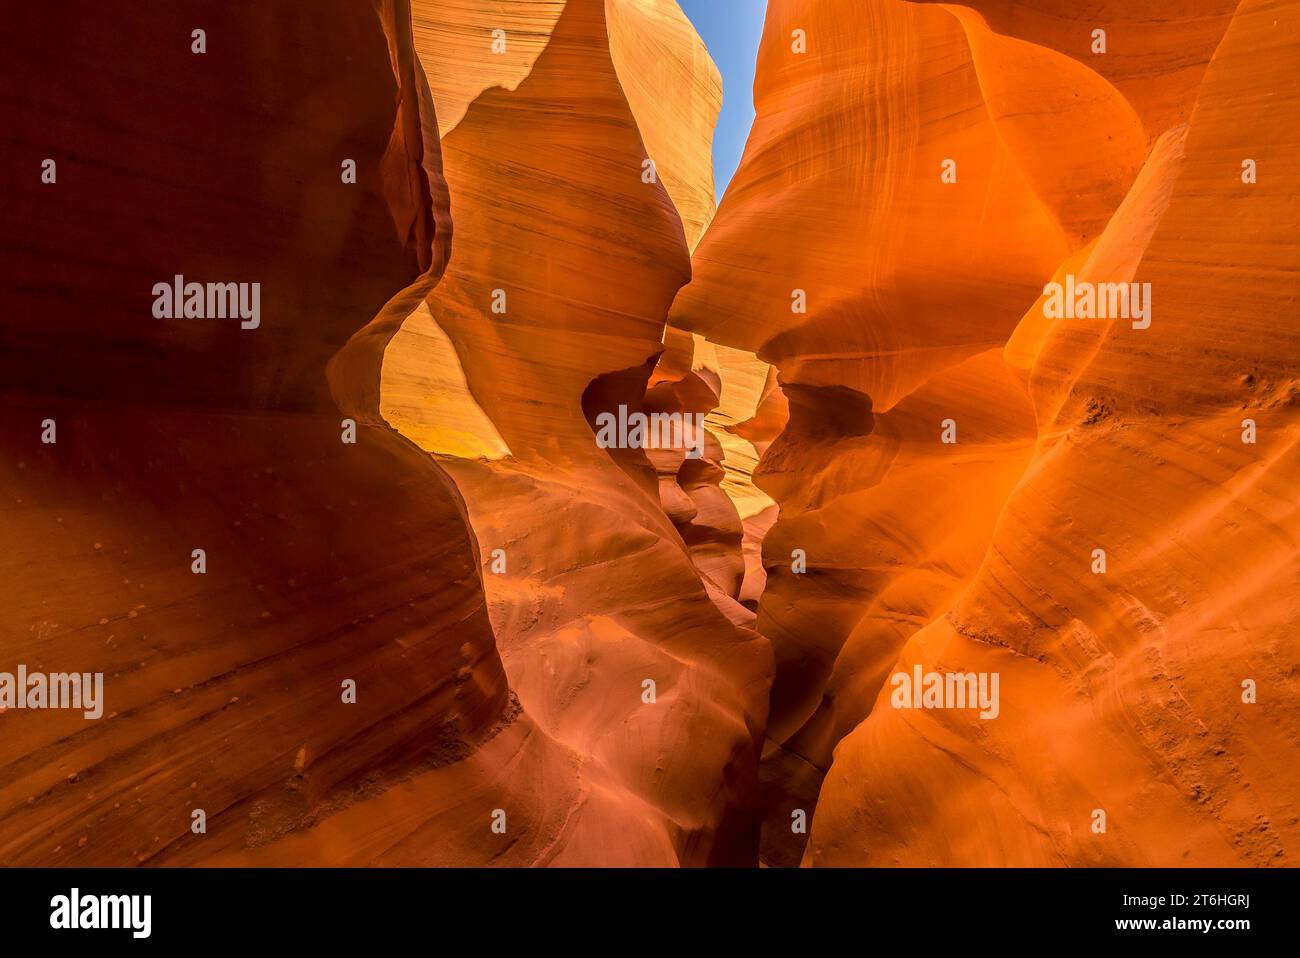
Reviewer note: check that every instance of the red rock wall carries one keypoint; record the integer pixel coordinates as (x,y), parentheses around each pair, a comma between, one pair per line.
(572,655)
(1120,691)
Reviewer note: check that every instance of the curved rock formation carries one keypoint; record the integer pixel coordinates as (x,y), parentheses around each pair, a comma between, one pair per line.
(1132,691)
(320,561)
(929,502)
(1154,56)
(567,258)
(913,179)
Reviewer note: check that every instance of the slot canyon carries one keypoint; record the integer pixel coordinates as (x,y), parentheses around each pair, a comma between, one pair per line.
(365,589)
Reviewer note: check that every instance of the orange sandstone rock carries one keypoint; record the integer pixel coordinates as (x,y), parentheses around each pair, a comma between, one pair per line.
(1133,685)
(925,474)
(323,562)
(594,593)
(896,457)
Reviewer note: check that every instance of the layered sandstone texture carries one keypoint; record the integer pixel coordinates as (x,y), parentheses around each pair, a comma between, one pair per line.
(611,575)
(277,543)
(198,531)
(1101,512)
(366,589)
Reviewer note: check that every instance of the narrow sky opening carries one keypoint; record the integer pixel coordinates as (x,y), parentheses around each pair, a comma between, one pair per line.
(731,30)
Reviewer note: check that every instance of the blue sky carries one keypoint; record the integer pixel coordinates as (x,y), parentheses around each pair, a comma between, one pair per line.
(731,29)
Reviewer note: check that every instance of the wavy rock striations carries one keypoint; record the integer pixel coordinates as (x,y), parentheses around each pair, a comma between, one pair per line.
(372,580)
(321,561)
(953,458)
(1131,681)
(555,304)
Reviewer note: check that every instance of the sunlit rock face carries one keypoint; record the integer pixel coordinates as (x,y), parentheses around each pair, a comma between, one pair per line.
(1138,707)
(610,573)
(362,584)
(985,367)
(1154,55)
(953,457)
